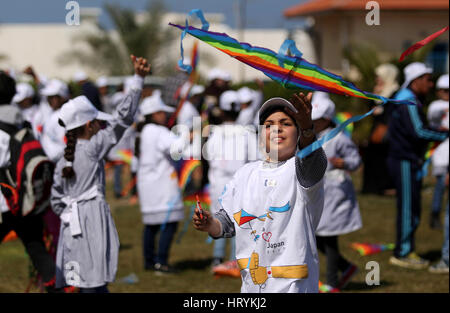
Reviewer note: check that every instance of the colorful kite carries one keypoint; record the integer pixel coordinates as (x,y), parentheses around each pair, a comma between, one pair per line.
(290,71)
(340,118)
(371,248)
(185,172)
(422,43)
(430,151)
(125,155)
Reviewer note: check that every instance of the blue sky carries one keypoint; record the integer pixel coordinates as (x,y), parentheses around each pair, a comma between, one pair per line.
(259,13)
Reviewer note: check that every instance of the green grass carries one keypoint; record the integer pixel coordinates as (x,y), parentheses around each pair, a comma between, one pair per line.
(193,255)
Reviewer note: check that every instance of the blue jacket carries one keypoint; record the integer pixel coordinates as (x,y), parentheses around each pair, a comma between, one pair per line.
(407,134)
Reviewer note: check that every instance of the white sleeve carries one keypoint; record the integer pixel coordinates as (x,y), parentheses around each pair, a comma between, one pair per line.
(4,160)
(4,149)
(53,145)
(171,144)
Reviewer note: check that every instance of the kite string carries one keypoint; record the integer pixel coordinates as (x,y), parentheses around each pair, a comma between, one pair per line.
(205,26)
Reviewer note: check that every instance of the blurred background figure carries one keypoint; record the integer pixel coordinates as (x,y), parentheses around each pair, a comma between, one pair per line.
(160,197)
(23,99)
(88,89)
(438,119)
(341,209)
(251,101)
(191,106)
(408,140)
(53,135)
(219,81)
(103,90)
(228,150)
(376,178)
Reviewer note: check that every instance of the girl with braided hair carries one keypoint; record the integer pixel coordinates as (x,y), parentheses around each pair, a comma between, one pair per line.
(88,246)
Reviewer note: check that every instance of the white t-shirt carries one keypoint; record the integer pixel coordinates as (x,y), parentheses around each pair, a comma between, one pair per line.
(275,219)
(52,139)
(157,181)
(228,148)
(246,116)
(42,113)
(4,160)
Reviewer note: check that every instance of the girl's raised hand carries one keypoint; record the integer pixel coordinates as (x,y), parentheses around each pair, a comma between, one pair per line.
(303,105)
(141,66)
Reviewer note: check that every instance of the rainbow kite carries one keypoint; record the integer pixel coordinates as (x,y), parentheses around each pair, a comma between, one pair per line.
(185,169)
(371,248)
(125,155)
(203,196)
(340,118)
(289,71)
(430,151)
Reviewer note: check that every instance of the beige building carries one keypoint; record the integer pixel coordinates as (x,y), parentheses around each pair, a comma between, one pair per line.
(335,24)
(41,45)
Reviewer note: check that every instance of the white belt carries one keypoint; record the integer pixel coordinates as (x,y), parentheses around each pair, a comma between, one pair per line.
(70,214)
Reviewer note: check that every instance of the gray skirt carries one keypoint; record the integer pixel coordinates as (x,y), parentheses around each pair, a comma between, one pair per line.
(88,260)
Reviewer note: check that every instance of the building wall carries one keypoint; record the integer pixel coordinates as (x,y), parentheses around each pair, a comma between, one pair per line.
(392,36)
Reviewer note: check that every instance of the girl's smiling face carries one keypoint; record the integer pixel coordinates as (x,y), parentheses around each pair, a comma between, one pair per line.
(281,136)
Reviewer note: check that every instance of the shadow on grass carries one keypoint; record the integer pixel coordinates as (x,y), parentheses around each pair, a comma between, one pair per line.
(433,255)
(360,286)
(125,246)
(193,264)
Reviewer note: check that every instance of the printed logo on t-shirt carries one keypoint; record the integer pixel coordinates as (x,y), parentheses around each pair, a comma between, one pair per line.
(270,183)
(246,220)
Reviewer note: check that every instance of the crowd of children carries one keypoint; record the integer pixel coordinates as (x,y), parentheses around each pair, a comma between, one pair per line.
(276,210)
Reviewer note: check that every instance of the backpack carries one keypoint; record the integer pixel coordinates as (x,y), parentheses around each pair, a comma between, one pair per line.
(26,183)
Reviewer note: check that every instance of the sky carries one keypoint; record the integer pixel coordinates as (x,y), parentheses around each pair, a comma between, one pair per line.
(259,13)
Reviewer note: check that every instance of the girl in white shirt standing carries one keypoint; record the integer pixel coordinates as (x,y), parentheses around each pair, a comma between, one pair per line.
(273,206)
(159,195)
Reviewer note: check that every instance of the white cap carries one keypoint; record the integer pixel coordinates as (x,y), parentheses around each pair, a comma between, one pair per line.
(217,73)
(154,104)
(413,71)
(56,87)
(23,91)
(157,93)
(79,111)
(322,106)
(79,76)
(102,81)
(442,82)
(275,102)
(246,95)
(196,90)
(227,98)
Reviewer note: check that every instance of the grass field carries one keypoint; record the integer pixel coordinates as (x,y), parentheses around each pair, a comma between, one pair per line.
(192,256)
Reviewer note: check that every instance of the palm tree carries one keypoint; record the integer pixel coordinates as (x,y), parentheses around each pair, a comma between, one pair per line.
(110,54)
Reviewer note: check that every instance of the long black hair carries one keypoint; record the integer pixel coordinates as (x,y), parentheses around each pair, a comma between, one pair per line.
(69,151)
